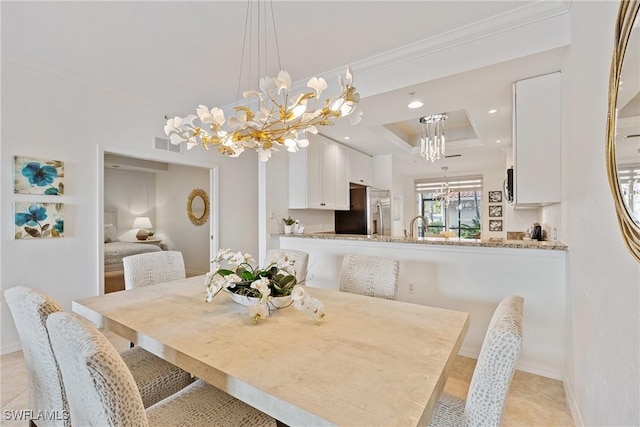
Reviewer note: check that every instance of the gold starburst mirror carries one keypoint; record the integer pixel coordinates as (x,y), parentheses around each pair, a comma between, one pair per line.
(623,124)
(198,206)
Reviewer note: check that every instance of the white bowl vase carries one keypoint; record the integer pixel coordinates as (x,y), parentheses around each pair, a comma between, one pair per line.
(287,229)
(277,302)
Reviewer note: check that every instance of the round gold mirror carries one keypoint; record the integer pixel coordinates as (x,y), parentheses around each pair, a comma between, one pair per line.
(198,206)
(623,124)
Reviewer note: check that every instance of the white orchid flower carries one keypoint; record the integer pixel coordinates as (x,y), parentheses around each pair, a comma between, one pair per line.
(258,311)
(301,303)
(298,292)
(236,259)
(317,84)
(262,285)
(232,279)
(315,309)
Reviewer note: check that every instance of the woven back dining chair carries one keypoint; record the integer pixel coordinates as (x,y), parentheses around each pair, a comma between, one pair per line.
(30,308)
(492,375)
(152,268)
(300,261)
(102,391)
(370,275)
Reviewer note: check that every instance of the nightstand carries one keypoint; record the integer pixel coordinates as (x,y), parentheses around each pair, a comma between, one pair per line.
(157,242)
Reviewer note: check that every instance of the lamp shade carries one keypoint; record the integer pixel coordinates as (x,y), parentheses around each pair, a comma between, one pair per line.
(142,222)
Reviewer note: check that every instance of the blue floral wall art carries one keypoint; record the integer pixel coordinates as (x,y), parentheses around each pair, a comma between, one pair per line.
(38,176)
(35,220)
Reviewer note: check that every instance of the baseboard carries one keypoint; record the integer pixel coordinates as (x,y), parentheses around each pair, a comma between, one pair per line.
(573,406)
(10,349)
(523,365)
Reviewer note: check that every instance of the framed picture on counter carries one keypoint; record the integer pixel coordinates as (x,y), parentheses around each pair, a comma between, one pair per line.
(495,225)
(495,196)
(495,211)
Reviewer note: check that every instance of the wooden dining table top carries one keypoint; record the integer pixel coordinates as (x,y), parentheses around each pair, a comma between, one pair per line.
(370,362)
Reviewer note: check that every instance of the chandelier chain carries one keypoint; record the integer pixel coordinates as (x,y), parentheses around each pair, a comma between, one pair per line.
(280,118)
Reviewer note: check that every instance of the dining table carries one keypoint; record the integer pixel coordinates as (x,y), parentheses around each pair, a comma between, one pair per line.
(369,362)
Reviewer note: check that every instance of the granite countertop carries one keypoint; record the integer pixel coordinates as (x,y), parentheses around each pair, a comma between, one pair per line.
(452,241)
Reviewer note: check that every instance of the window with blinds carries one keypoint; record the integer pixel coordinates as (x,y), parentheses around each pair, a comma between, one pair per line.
(450,203)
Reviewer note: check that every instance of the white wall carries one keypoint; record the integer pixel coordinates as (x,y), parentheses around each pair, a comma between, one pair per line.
(133,193)
(74,117)
(173,225)
(603,323)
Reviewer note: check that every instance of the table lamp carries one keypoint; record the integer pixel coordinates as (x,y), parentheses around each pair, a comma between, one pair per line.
(143,223)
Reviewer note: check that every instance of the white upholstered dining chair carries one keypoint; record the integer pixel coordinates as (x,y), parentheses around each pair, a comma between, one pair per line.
(492,375)
(102,391)
(152,268)
(300,261)
(370,275)
(155,378)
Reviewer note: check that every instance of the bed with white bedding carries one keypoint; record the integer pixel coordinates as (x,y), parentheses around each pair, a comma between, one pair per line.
(115,250)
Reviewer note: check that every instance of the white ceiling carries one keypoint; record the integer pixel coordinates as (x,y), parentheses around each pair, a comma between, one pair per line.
(180,54)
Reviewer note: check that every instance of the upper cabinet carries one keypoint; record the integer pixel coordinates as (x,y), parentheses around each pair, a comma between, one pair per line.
(536,143)
(318,176)
(360,167)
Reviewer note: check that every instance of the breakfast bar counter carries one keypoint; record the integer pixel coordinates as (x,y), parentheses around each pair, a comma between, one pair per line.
(451,241)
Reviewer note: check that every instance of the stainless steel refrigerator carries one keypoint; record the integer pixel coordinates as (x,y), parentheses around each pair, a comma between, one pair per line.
(369,213)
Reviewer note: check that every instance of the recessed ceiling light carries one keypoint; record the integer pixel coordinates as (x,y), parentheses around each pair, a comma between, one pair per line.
(414,103)
(493,111)
(498,141)
(347,137)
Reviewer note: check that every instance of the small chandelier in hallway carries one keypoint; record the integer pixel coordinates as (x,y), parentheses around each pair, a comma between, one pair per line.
(432,139)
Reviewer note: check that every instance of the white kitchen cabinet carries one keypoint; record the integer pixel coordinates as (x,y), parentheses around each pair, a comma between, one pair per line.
(537,141)
(318,176)
(360,167)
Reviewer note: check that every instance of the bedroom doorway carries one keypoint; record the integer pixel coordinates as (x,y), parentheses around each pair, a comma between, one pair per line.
(157,188)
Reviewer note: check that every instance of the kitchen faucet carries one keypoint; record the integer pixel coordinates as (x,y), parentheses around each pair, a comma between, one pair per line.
(425,224)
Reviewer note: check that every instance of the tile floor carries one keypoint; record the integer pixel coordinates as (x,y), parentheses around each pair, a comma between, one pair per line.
(533,400)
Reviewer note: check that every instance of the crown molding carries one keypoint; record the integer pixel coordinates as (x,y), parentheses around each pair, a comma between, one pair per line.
(522,16)
(525,15)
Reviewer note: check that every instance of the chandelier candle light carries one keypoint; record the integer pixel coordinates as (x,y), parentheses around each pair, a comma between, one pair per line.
(432,140)
(279,118)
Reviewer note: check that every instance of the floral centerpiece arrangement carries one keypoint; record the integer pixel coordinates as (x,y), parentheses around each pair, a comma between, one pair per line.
(278,279)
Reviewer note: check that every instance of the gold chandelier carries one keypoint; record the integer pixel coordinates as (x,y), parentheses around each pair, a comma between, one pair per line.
(280,118)
(432,140)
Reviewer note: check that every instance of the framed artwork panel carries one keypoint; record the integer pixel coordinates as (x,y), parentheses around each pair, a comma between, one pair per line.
(495,211)
(495,225)
(495,196)
(35,220)
(38,176)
